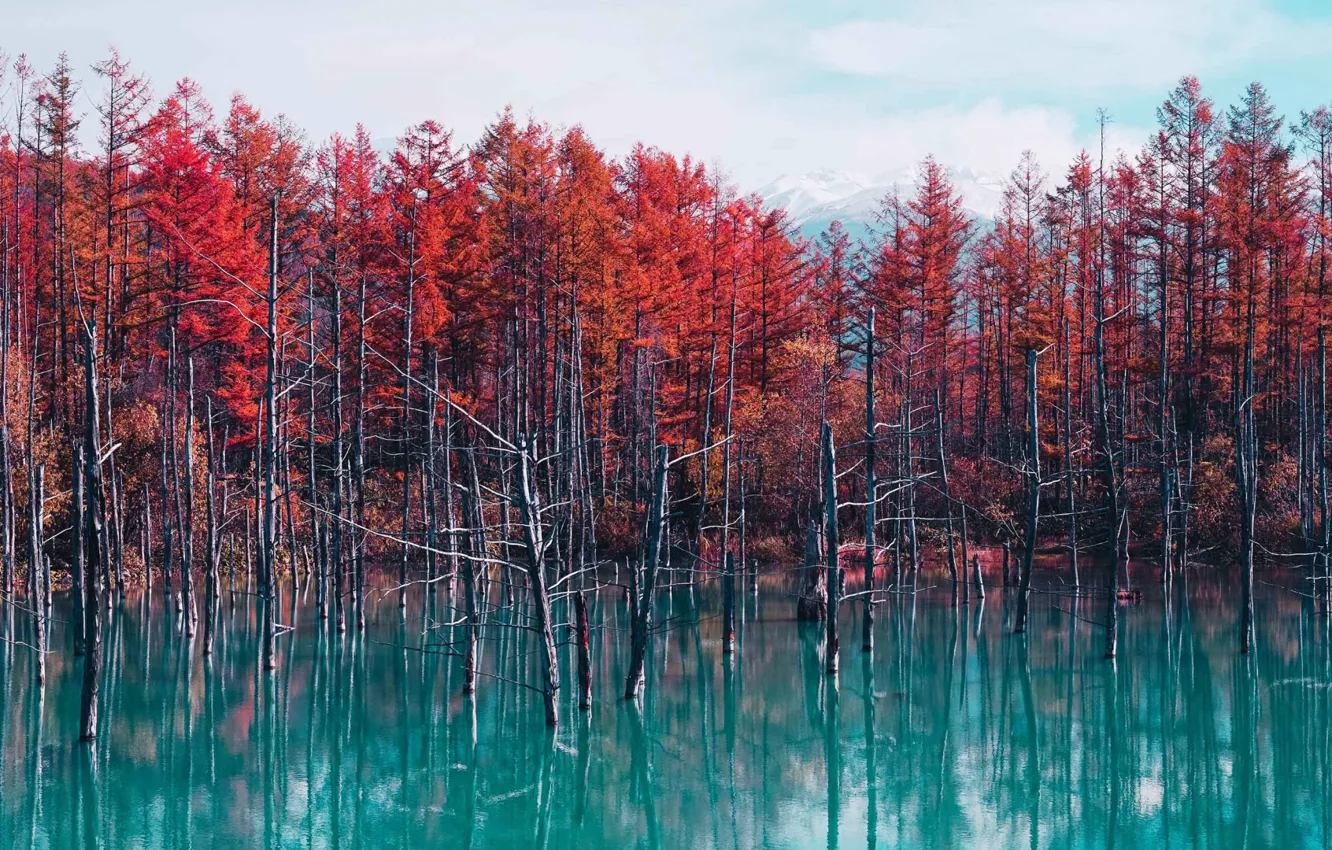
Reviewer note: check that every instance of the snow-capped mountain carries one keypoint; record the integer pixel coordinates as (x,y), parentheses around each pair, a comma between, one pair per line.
(808,192)
(817,199)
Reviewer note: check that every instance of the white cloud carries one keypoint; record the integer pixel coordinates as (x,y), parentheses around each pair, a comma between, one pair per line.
(981,144)
(1062,45)
(740,82)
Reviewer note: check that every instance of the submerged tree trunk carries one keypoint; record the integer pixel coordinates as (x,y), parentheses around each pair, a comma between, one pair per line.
(871,492)
(77,542)
(406,421)
(168,563)
(211,542)
(1110,475)
(728,580)
(317,523)
(1071,499)
(832,540)
(187,531)
(1320,461)
(1163,424)
(339,480)
(1033,494)
(473,559)
(92,542)
(705,471)
(36,593)
(728,605)
(813,603)
(642,615)
(584,651)
(942,461)
(358,463)
(268,496)
(7,523)
(536,543)
(1246,471)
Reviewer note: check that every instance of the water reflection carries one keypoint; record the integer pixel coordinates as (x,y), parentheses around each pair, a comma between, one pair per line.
(954,732)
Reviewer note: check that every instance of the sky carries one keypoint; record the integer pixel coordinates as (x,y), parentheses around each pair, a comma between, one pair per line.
(759,88)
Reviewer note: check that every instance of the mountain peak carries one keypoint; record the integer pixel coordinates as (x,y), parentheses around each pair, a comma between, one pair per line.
(798,195)
(816,199)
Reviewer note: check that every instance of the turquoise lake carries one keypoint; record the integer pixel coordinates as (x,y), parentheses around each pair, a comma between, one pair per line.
(955,733)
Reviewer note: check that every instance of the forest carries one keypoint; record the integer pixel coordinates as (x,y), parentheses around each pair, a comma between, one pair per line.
(517,374)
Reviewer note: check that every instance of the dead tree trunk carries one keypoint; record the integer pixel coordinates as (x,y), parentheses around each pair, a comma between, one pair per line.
(642,618)
(211,541)
(37,593)
(268,497)
(705,466)
(187,531)
(1163,424)
(358,463)
(1109,472)
(116,526)
(430,484)
(871,492)
(1071,500)
(1320,461)
(406,423)
(535,540)
(909,462)
(728,605)
(339,480)
(584,651)
(92,541)
(728,580)
(147,539)
(813,603)
(473,559)
(320,573)
(1246,472)
(168,557)
(77,543)
(832,540)
(6,472)
(942,461)
(1033,494)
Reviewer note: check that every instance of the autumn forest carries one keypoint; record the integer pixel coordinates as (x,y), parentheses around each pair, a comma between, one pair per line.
(514,372)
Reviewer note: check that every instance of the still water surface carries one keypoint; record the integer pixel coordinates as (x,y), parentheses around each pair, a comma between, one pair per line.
(956,734)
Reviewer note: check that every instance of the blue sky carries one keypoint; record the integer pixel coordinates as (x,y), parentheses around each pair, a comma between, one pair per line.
(761,88)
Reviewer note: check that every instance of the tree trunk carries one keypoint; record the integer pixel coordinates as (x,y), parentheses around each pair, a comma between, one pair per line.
(187,531)
(1320,462)
(813,603)
(535,541)
(268,496)
(1247,473)
(1108,471)
(871,491)
(213,552)
(728,605)
(832,540)
(92,531)
(1068,464)
(473,559)
(1033,493)
(358,462)
(656,517)
(339,480)
(77,543)
(584,651)
(36,555)
(1163,424)
(942,461)
(406,422)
